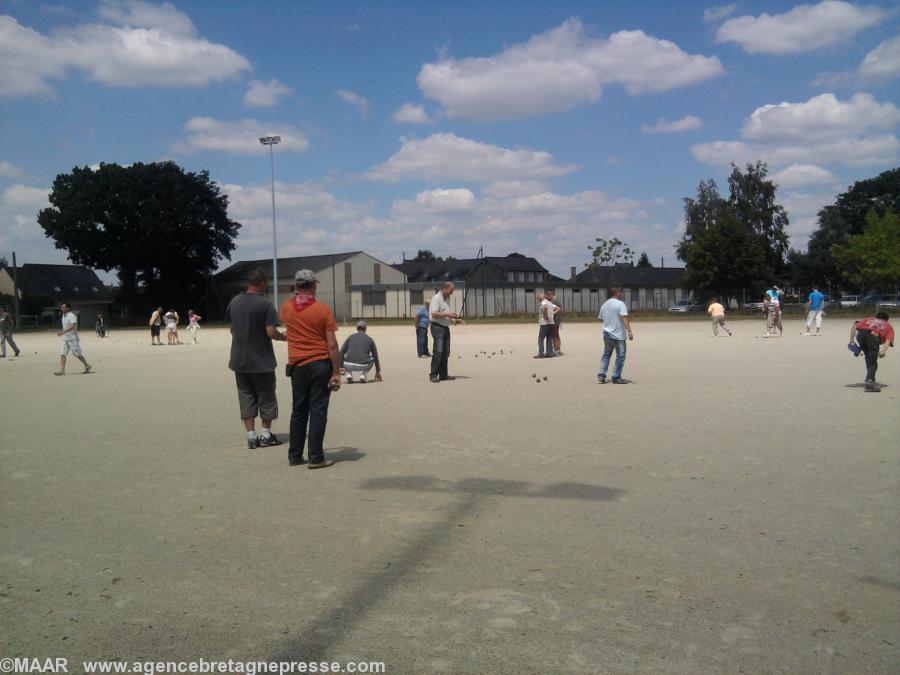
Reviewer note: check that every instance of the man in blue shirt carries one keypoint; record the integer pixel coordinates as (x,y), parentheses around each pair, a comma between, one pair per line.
(815,310)
(616,325)
(422,322)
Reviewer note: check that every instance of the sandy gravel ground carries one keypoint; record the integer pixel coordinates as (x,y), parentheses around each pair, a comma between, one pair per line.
(734,509)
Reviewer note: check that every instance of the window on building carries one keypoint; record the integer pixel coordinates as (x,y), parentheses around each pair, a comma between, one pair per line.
(530,276)
(416,298)
(377,269)
(348,276)
(511,277)
(521,277)
(374,298)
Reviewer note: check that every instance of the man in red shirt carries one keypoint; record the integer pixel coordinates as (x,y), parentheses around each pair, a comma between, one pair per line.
(314,365)
(874,335)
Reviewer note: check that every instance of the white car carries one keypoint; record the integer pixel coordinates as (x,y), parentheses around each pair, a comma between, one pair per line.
(849,301)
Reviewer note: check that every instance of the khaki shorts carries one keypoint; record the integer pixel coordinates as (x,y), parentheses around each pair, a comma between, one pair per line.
(256,395)
(73,346)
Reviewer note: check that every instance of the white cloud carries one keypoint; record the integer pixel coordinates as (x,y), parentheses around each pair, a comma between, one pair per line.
(19,206)
(558,70)
(355,100)
(664,126)
(803,175)
(156,47)
(137,14)
(238,138)
(446,156)
(265,94)
(8,170)
(883,62)
(803,210)
(822,130)
(821,118)
(716,14)
(805,28)
(410,113)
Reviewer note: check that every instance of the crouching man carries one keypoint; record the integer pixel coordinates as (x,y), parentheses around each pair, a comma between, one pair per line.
(359,354)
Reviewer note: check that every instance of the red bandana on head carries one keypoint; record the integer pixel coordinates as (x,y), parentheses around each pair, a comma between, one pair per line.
(302,301)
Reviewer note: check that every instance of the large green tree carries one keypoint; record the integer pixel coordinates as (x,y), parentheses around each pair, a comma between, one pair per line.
(162,229)
(733,244)
(872,259)
(840,221)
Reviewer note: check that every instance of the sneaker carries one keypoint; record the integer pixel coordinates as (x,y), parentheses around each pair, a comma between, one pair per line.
(349,379)
(87,370)
(619,380)
(873,387)
(321,465)
(601,379)
(60,372)
(253,443)
(267,441)
(434,379)
(854,348)
(363,379)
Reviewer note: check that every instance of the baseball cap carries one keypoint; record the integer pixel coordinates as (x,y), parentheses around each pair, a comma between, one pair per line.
(305,277)
(362,324)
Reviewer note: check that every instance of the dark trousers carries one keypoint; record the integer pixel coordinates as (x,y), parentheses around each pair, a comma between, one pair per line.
(869,342)
(311,396)
(440,350)
(545,336)
(422,340)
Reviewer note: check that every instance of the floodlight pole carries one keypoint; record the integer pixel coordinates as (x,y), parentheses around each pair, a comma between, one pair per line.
(271,141)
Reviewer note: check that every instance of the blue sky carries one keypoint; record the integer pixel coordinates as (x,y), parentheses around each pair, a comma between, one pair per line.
(520,126)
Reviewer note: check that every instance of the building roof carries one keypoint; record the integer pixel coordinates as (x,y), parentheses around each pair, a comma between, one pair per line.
(460,270)
(626,275)
(75,283)
(286,266)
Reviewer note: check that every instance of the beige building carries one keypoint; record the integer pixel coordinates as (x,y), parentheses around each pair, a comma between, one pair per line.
(338,274)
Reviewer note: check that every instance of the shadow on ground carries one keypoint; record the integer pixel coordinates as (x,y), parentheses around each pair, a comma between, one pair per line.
(330,627)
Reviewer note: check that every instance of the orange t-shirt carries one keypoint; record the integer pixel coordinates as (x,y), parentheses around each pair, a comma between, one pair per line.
(307,331)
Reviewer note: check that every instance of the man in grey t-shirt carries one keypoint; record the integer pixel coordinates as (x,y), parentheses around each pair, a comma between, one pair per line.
(359,354)
(254,324)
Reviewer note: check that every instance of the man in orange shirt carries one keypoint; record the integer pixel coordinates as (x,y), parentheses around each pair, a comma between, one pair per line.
(314,365)
(717,312)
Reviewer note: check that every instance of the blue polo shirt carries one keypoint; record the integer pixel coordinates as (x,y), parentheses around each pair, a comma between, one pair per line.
(422,319)
(816,300)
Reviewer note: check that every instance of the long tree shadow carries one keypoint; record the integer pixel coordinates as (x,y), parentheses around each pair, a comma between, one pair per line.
(331,626)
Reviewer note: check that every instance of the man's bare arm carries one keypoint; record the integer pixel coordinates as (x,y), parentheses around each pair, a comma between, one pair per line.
(274,333)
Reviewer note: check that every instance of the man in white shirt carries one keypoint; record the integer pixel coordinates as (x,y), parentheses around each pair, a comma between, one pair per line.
(545,327)
(70,341)
(441,318)
(616,326)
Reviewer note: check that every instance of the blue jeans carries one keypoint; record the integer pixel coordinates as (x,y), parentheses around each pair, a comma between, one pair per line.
(422,340)
(311,396)
(609,344)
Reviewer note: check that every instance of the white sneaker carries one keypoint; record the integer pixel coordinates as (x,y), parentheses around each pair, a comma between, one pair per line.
(363,379)
(349,379)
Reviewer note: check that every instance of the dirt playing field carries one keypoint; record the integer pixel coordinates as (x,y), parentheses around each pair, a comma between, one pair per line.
(733,509)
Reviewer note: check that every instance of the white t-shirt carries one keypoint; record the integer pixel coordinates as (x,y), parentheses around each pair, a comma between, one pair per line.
(439,304)
(68,320)
(548,306)
(611,313)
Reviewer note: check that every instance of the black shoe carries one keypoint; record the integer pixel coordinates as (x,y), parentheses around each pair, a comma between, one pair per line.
(434,379)
(601,379)
(325,463)
(619,380)
(253,443)
(265,442)
(296,462)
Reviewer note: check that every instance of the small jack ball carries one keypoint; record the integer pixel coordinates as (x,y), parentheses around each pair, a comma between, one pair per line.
(538,381)
(545,378)
(534,374)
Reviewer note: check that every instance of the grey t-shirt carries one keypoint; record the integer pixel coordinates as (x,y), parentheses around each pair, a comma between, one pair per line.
(251,348)
(359,348)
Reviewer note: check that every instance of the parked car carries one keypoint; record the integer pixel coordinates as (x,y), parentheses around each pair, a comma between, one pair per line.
(754,306)
(871,299)
(687,305)
(850,301)
(889,302)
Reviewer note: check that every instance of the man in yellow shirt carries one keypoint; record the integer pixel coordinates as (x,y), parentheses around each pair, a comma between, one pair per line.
(717,312)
